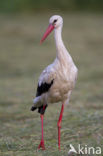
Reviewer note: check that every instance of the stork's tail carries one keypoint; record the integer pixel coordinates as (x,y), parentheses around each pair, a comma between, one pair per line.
(33,108)
(37,103)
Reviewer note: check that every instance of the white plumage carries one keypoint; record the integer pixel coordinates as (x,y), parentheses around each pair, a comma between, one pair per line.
(62,71)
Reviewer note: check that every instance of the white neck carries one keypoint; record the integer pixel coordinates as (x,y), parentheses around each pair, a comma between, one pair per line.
(62,52)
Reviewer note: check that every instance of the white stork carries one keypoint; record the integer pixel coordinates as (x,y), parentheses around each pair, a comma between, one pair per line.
(57,81)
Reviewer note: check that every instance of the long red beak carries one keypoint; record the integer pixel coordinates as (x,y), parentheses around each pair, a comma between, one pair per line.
(48,31)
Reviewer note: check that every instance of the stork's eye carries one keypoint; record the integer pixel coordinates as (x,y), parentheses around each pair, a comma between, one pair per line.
(55,20)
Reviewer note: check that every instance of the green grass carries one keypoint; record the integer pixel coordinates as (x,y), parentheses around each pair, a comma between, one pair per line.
(22,59)
(12,6)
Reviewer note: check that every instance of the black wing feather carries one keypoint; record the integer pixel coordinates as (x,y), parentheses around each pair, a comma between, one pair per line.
(43,88)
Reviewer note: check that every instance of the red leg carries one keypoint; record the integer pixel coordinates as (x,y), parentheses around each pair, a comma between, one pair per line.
(41,145)
(59,125)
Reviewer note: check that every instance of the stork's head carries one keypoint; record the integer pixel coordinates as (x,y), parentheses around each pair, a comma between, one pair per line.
(54,22)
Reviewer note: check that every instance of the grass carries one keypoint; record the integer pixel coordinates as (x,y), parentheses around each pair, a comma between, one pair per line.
(12,6)
(21,61)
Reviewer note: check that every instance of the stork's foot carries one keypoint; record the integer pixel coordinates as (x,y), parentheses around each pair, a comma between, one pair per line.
(41,145)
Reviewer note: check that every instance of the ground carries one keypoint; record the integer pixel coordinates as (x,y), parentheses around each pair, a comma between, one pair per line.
(22,59)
